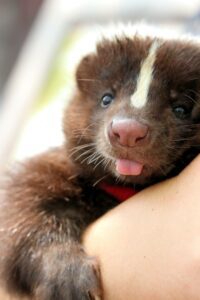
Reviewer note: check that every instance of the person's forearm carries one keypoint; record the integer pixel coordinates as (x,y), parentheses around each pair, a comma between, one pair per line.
(126,242)
(146,246)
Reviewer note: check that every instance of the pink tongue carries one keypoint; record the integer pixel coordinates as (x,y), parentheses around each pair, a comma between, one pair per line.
(128,167)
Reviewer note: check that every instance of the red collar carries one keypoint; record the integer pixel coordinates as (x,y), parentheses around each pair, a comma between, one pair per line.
(120,193)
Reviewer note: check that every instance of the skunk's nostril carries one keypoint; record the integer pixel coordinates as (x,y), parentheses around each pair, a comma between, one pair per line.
(117,135)
(139,138)
(127,132)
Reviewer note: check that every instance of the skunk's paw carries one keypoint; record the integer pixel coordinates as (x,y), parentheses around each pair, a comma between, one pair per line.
(75,279)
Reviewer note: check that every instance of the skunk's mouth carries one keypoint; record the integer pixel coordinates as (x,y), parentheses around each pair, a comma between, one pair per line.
(137,170)
(137,166)
(128,167)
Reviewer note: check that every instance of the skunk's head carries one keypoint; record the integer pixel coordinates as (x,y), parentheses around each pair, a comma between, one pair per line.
(136,111)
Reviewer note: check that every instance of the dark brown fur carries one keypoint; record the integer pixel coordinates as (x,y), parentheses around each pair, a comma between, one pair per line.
(48,201)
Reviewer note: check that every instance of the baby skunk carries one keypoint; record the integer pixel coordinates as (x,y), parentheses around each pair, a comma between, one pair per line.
(134,120)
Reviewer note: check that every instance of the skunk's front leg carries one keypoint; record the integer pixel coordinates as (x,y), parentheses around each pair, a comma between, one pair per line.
(42,219)
(67,276)
(50,266)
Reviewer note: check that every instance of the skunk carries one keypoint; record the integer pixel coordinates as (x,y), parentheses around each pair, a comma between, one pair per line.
(133,120)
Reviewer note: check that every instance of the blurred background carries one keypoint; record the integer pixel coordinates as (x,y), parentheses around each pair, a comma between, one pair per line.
(39,46)
(41,42)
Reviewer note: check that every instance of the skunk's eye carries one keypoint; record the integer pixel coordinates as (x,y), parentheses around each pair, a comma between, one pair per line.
(181,112)
(106,100)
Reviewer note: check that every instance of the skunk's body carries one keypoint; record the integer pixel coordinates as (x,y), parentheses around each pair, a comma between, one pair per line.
(135,119)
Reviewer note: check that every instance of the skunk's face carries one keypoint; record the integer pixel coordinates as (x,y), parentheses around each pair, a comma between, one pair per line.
(136,113)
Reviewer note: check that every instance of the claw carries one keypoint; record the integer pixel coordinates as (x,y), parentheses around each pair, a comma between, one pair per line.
(94,297)
(97,298)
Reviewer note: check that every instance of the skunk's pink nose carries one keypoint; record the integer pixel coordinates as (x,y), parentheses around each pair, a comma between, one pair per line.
(127,132)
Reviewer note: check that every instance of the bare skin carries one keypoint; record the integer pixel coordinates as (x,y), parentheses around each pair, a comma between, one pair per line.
(149,247)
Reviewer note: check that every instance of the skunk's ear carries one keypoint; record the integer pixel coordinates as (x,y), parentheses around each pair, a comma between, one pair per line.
(86,72)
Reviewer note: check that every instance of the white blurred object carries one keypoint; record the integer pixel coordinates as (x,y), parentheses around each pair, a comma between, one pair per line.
(44,130)
(162,9)
(142,9)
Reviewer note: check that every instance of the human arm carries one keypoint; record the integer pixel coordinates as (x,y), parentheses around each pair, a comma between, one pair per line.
(149,247)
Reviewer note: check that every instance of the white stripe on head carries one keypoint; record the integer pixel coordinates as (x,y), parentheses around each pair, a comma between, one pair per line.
(140,96)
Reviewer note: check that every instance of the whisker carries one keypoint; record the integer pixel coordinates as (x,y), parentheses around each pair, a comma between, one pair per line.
(162,171)
(188,125)
(117,179)
(94,157)
(89,157)
(83,154)
(192,99)
(82,132)
(98,163)
(99,180)
(88,79)
(108,161)
(194,91)
(170,147)
(183,139)
(81,147)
